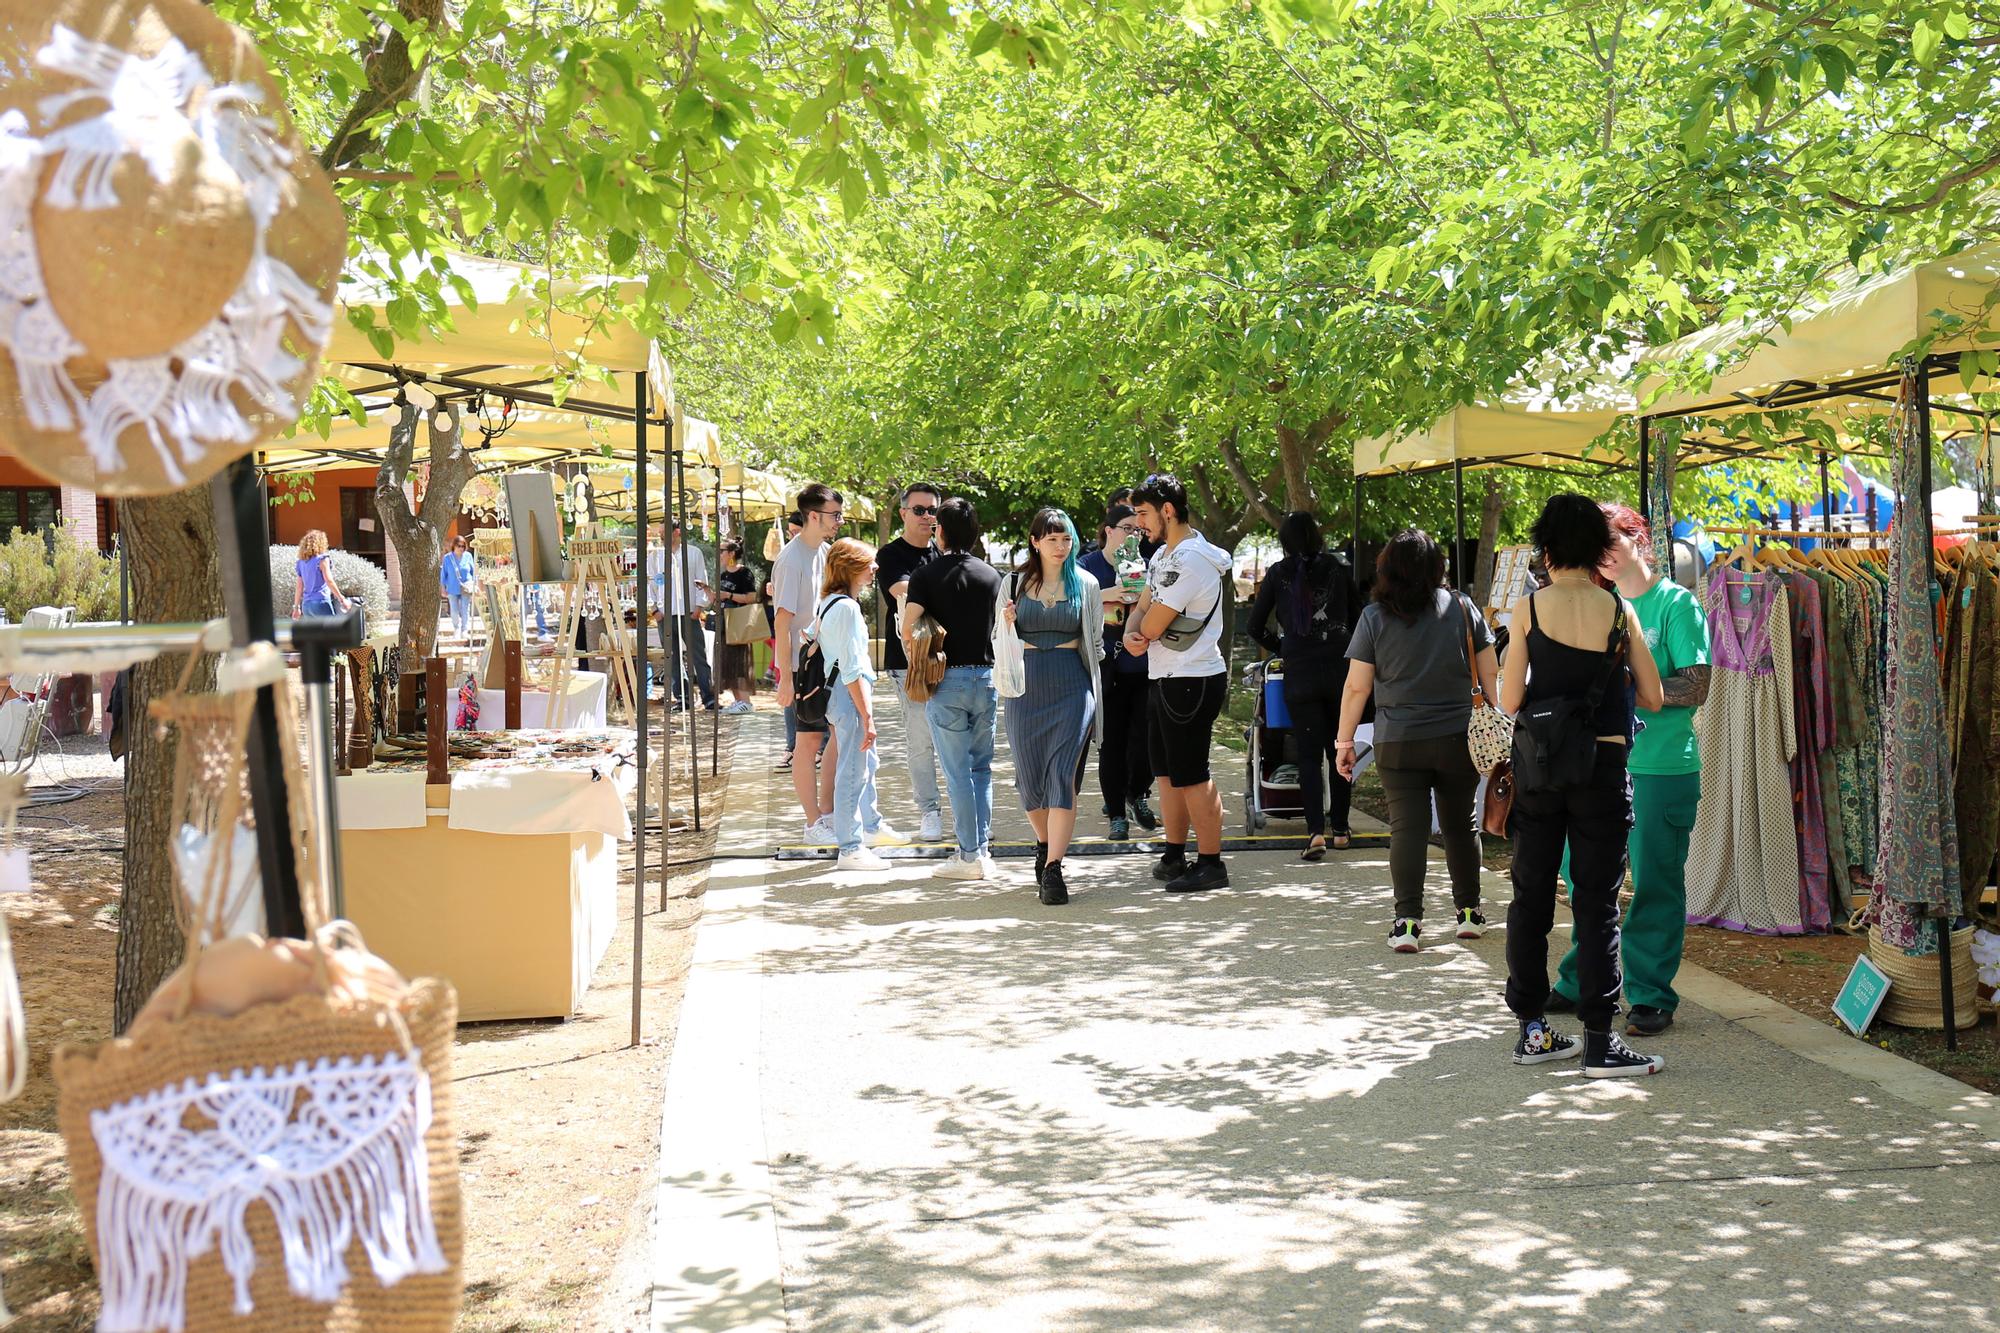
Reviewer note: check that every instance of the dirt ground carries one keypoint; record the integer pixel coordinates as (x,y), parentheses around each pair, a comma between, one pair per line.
(558,1122)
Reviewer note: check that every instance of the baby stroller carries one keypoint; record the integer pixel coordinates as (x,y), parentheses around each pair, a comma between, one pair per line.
(1271,782)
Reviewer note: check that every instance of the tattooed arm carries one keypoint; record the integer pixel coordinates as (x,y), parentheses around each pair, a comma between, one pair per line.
(1687,688)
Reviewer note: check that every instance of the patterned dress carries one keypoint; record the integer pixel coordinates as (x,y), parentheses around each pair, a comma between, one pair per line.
(1813,718)
(1743,865)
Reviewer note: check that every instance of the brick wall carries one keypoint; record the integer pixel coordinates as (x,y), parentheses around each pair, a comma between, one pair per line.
(79,515)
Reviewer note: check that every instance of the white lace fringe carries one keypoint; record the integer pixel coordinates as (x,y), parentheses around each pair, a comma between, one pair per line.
(334,1150)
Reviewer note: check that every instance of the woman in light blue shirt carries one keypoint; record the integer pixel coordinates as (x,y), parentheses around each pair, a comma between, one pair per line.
(456,581)
(842,634)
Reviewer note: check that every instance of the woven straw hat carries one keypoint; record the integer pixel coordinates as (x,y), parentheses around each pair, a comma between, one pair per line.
(168,249)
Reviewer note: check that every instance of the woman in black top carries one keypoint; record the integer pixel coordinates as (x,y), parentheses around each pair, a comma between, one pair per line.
(1311,593)
(737,586)
(1577,646)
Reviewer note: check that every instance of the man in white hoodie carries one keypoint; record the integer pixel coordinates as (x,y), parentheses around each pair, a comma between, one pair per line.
(1177,626)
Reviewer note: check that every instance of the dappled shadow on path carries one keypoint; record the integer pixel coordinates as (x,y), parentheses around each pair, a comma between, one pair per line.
(1240,1109)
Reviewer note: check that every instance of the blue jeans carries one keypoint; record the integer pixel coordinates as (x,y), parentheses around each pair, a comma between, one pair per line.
(917,746)
(961,719)
(461,611)
(319,604)
(855,812)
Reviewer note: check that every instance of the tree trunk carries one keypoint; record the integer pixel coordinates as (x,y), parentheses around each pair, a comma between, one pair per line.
(1489,540)
(419,536)
(170,546)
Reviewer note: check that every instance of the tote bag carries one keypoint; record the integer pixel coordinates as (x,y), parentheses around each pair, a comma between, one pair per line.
(745,624)
(1490,734)
(1010,661)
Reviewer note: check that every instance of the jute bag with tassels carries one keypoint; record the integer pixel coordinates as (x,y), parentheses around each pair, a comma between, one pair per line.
(270,1147)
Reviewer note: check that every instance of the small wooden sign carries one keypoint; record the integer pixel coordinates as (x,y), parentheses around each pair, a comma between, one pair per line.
(579,550)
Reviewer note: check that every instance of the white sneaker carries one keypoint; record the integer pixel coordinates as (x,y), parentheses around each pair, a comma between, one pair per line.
(957,867)
(885,835)
(932,829)
(860,859)
(820,834)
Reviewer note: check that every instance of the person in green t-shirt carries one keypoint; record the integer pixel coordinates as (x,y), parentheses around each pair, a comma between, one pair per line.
(1666,782)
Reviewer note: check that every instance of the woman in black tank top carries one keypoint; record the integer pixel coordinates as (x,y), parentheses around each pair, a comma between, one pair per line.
(1604,676)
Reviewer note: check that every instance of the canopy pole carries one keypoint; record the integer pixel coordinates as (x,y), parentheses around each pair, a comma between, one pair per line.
(668,634)
(1458,523)
(715,718)
(1923,409)
(1825,497)
(1645,467)
(681,683)
(1354,538)
(639,707)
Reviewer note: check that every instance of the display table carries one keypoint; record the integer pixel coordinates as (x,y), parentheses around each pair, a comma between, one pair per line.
(583,705)
(504,882)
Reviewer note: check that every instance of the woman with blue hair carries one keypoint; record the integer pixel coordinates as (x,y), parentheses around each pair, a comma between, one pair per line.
(1057,613)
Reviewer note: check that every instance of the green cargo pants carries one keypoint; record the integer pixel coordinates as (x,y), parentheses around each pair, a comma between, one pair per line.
(1663,810)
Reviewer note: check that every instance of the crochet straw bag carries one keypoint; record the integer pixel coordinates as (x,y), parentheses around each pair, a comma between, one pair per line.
(1915,998)
(168,249)
(283,1165)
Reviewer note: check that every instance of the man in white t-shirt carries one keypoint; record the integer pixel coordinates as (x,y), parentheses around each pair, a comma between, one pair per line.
(680,582)
(1177,626)
(795,594)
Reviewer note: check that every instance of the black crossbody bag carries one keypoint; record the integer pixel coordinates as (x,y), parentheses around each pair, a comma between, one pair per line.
(1555,740)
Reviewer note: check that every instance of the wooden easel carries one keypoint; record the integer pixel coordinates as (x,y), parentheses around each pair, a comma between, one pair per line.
(594,567)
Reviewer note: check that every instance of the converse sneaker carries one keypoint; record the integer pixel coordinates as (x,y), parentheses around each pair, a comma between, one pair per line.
(932,827)
(1605,1055)
(1170,866)
(1471,925)
(860,859)
(885,835)
(957,867)
(1055,892)
(1539,1043)
(819,833)
(1404,937)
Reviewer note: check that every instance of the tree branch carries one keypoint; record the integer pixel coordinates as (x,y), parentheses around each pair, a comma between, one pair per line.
(1259,502)
(1500,89)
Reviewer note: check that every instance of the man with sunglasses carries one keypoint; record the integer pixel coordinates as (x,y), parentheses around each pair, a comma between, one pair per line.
(795,585)
(895,562)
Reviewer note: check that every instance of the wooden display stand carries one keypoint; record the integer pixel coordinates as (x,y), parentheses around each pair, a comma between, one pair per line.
(594,567)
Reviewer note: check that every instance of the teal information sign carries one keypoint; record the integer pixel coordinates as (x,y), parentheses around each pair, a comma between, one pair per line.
(1862,994)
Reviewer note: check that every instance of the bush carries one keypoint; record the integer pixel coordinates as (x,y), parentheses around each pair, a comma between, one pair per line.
(357,577)
(52,568)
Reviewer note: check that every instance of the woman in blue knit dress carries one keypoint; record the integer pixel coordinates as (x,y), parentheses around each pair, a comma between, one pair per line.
(1058,614)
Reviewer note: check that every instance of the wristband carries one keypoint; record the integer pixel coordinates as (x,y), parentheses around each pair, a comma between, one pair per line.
(1343,745)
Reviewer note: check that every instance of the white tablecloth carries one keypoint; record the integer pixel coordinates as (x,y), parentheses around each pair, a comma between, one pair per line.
(583,707)
(514,801)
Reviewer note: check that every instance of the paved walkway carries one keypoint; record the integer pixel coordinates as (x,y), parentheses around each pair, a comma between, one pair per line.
(897,1103)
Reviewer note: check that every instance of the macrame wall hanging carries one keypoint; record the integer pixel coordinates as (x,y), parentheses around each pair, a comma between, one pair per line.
(270,1145)
(168,249)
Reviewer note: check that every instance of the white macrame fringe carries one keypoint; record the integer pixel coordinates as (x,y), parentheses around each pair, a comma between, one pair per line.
(181,411)
(335,1151)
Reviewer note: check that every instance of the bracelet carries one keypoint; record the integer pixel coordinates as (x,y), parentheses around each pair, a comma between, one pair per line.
(1343,745)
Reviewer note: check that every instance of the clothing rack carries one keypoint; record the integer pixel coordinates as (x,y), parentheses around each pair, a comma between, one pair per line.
(1798,534)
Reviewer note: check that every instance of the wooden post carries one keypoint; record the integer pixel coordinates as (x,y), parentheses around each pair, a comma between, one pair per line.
(340,764)
(437,718)
(361,737)
(513,668)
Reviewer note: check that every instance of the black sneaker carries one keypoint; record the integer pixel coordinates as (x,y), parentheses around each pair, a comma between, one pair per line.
(1558,1003)
(1041,861)
(1054,892)
(1606,1056)
(1142,814)
(1405,935)
(1171,865)
(1200,877)
(1471,925)
(1120,830)
(1539,1043)
(1646,1021)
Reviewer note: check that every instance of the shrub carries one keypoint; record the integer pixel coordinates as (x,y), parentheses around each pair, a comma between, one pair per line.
(52,568)
(357,577)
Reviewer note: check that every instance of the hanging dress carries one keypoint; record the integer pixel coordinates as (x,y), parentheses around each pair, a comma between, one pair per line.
(1813,719)
(1743,864)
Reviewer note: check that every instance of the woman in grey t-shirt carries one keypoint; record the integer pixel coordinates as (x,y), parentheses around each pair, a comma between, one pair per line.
(1409,651)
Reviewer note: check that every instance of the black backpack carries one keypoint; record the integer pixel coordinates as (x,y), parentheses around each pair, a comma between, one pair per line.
(1331,602)
(811,690)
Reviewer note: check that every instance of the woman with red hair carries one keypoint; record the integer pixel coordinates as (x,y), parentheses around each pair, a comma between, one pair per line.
(1665,766)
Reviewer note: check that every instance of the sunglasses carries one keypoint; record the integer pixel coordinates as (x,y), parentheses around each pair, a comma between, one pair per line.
(924,511)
